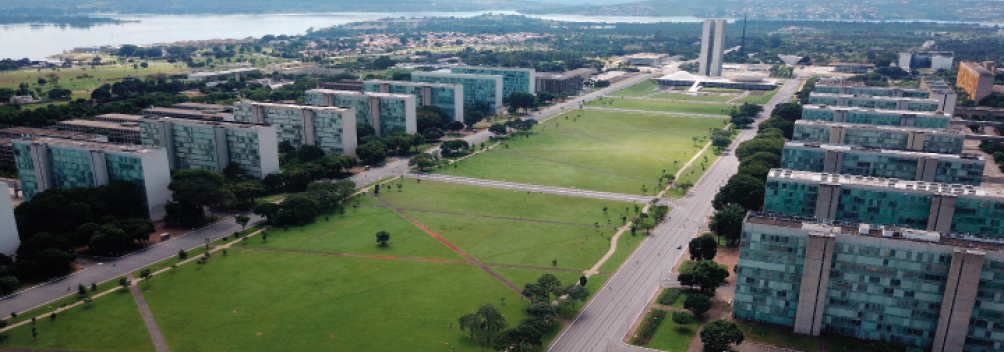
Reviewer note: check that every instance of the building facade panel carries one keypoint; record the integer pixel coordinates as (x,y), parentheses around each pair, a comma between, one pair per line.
(521,80)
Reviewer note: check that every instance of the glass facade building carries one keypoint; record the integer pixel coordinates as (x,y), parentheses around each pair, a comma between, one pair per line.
(447,97)
(485,88)
(213,146)
(865,116)
(387,113)
(882,103)
(46,163)
(333,129)
(908,287)
(882,137)
(521,80)
(966,169)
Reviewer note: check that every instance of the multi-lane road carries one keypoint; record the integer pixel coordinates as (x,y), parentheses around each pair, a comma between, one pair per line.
(603,323)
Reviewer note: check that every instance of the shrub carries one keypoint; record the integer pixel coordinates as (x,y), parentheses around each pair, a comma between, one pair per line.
(669,296)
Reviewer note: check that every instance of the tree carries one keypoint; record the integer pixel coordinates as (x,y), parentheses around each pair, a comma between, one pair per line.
(196,189)
(493,319)
(577,293)
(697,304)
(308,153)
(536,292)
(743,190)
(498,129)
(182,254)
(454,126)
(433,134)
(686,279)
(470,322)
(382,237)
(681,318)
(242,220)
(719,335)
(372,152)
(296,209)
(787,127)
(146,275)
(454,146)
(8,284)
(720,143)
(542,310)
(750,147)
(109,240)
(84,232)
(709,275)
(472,117)
(422,161)
(267,210)
(790,111)
(728,222)
(330,194)
(703,248)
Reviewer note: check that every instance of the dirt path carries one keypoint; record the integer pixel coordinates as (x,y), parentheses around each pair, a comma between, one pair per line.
(144,311)
(492,217)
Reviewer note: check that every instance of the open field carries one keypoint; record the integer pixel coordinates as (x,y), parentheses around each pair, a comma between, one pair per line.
(82,78)
(656,105)
(759,97)
(642,88)
(111,323)
(681,96)
(597,150)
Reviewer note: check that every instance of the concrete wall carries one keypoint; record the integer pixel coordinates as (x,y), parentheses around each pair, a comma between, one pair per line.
(815,280)
(957,304)
(156,177)
(9,239)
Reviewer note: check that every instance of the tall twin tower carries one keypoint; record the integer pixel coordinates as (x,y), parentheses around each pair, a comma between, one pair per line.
(711,47)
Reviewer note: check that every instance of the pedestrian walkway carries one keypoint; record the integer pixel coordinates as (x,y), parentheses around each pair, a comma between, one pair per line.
(540,189)
(144,310)
(493,217)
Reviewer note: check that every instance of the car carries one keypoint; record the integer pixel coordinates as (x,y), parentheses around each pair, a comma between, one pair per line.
(679,247)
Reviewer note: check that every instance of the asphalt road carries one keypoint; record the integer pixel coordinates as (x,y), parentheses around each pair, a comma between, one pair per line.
(97,271)
(606,319)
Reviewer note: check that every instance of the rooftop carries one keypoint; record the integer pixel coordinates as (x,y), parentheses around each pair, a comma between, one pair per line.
(410,83)
(347,92)
(855,229)
(120,117)
(567,74)
(646,56)
(447,73)
(497,68)
(887,183)
(884,111)
(305,107)
(841,147)
(875,127)
(837,63)
(201,106)
(872,97)
(103,124)
(109,147)
(182,112)
(203,122)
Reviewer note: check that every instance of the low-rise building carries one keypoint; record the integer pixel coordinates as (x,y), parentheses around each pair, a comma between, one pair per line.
(935,60)
(884,137)
(930,206)
(916,288)
(44,163)
(204,107)
(569,82)
(387,113)
(485,88)
(117,132)
(22,99)
(236,74)
(513,79)
(851,67)
(977,80)
(353,85)
(9,239)
(870,116)
(213,145)
(118,118)
(744,81)
(966,169)
(447,97)
(333,129)
(946,106)
(647,59)
(194,114)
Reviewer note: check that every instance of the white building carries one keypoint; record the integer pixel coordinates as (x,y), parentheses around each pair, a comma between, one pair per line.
(9,240)
(647,59)
(935,60)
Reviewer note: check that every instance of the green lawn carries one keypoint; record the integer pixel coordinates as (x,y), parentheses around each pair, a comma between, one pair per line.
(760,99)
(656,105)
(590,149)
(695,171)
(625,245)
(355,232)
(266,301)
(773,335)
(111,323)
(681,96)
(674,337)
(645,87)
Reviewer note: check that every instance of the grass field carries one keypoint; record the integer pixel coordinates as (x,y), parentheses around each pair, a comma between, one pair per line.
(336,304)
(760,98)
(114,317)
(643,88)
(68,77)
(673,337)
(598,150)
(656,105)
(681,96)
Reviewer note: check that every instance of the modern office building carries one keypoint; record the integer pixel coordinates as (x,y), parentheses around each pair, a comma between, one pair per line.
(870,116)
(946,106)
(204,107)
(872,91)
(977,79)
(8,135)
(568,82)
(712,48)
(333,129)
(513,79)
(647,59)
(195,114)
(118,118)
(966,169)
(212,145)
(354,85)
(386,112)
(931,206)
(44,163)
(935,60)
(916,288)
(486,88)
(9,239)
(851,67)
(883,137)
(117,132)
(447,97)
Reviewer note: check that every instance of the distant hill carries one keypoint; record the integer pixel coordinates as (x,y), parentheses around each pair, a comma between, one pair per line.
(182,7)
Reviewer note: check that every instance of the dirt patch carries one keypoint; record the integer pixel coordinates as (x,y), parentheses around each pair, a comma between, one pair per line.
(161,228)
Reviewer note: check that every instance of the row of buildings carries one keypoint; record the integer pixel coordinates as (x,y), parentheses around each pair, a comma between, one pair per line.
(877,226)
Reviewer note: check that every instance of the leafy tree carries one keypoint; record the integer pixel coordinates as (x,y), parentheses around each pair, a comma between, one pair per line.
(109,240)
(576,293)
(382,237)
(308,153)
(750,147)
(728,222)
(330,194)
(718,335)
(708,275)
(182,254)
(454,126)
(493,319)
(196,189)
(697,304)
(498,129)
(8,284)
(84,232)
(703,248)
(267,210)
(296,209)
(681,318)
(428,117)
(542,310)
(433,134)
(720,143)
(242,220)
(471,322)
(744,190)
(472,117)
(146,275)
(778,122)
(789,111)
(454,146)
(536,292)
(422,161)
(372,152)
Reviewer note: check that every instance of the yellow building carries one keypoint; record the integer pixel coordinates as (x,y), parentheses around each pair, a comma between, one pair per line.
(977,79)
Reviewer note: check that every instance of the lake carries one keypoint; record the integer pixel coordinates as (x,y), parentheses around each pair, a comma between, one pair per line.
(39,42)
